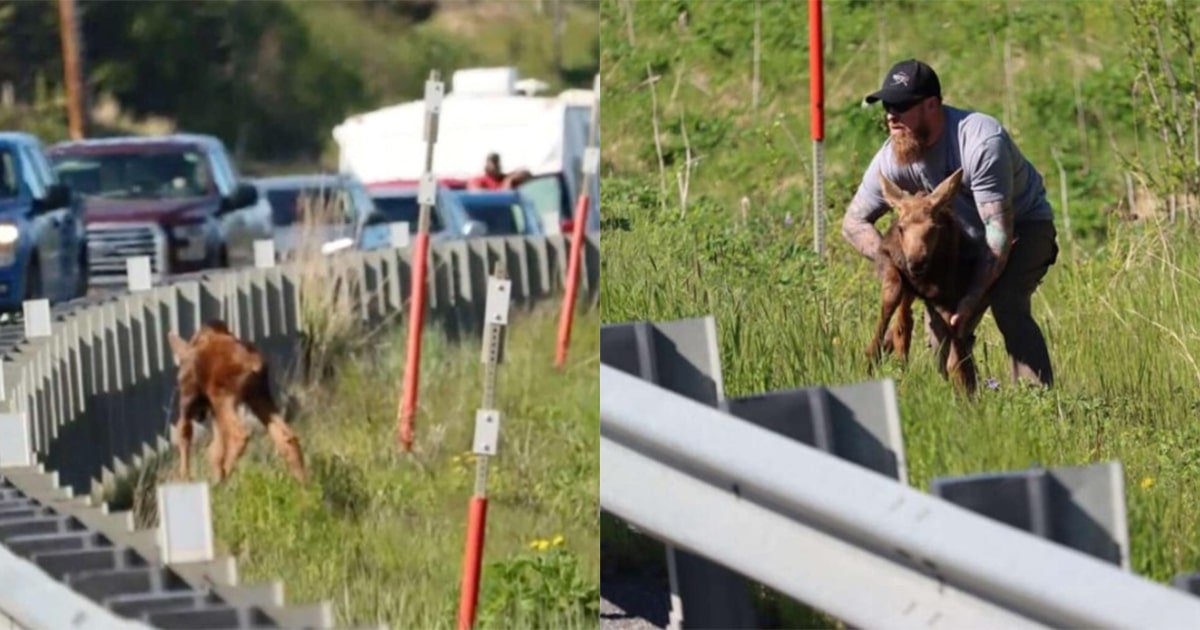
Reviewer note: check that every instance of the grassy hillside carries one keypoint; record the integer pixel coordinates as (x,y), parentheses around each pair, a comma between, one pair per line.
(1119,309)
(380,534)
(1055,73)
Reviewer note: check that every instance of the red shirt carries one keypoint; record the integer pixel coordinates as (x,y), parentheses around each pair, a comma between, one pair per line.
(486,182)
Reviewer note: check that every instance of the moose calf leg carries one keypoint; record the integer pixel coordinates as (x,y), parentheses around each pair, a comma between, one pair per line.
(216,452)
(892,296)
(943,338)
(286,442)
(902,331)
(288,446)
(181,432)
(236,440)
(961,366)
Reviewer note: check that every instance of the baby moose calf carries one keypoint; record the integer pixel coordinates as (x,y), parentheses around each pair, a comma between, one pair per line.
(217,374)
(919,257)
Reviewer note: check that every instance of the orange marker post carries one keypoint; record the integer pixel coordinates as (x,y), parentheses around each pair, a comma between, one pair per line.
(591,169)
(487,437)
(427,196)
(816,72)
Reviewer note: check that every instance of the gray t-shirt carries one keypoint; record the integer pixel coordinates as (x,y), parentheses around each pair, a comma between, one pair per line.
(993,170)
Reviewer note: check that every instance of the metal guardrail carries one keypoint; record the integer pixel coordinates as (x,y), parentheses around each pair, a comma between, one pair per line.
(91,402)
(837,536)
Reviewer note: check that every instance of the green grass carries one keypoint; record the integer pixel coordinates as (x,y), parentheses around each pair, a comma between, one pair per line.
(381,534)
(705,78)
(1122,322)
(1120,310)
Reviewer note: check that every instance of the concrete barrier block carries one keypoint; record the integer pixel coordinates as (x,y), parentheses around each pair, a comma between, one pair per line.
(538,252)
(373,290)
(212,301)
(393,282)
(186,312)
(247,311)
(517,262)
(683,356)
(1082,507)
(557,250)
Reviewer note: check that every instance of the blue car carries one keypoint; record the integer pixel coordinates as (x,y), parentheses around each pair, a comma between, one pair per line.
(399,204)
(457,214)
(314,210)
(501,213)
(43,244)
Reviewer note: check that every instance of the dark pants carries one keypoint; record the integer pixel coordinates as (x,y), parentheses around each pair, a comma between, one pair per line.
(1033,252)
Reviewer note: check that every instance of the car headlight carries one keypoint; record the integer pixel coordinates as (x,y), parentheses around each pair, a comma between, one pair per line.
(9,234)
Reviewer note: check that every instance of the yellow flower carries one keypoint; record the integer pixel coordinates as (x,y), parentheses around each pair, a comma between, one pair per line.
(543,545)
(534,544)
(558,540)
(456,459)
(1147,482)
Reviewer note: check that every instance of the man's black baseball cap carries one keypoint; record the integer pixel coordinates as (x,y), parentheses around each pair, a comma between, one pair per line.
(907,82)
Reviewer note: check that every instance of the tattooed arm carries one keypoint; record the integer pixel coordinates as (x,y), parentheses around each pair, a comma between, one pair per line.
(858,228)
(868,205)
(991,184)
(998,232)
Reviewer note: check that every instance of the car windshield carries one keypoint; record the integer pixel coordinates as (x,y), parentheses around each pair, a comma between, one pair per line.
(546,194)
(500,217)
(402,209)
(318,206)
(150,175)
(8,173)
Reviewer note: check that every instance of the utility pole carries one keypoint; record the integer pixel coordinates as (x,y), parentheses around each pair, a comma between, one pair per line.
(559,27)
(69,31)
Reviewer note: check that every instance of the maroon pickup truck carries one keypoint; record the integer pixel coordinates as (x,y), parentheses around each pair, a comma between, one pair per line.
(177,199)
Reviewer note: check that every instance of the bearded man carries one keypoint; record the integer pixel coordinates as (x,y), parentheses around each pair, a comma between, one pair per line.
(1007,223)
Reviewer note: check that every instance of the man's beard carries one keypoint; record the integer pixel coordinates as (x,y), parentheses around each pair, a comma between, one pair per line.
(909,145)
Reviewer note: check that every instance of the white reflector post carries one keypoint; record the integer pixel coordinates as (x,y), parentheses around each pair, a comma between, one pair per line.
(37,318)
(487,431)
(550,224)
(15,447)
(185,522)
(499,293)
(137,272)
(398,234)
(264,253)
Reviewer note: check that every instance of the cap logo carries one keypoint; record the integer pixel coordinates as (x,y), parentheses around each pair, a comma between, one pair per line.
(900,78)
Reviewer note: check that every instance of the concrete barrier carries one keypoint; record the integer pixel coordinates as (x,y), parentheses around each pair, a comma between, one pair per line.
(94,398)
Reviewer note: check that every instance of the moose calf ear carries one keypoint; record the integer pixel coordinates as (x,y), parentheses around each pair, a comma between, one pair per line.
(948,188)
(891,192)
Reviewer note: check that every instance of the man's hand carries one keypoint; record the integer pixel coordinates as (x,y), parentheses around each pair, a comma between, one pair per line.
(964,314)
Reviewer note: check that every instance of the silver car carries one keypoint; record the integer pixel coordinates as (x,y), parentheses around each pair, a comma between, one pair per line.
(314,211)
